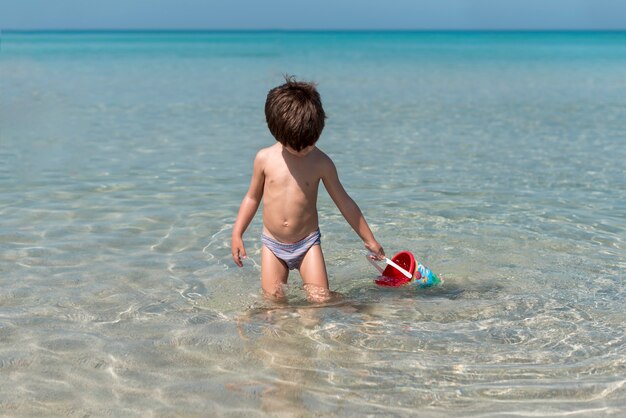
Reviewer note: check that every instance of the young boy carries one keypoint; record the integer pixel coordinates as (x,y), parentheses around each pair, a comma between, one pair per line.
(287,176)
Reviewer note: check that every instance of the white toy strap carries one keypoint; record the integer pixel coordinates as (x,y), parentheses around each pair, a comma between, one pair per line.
(374,263)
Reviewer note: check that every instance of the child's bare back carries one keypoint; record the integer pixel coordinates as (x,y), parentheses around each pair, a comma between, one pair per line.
(286,178)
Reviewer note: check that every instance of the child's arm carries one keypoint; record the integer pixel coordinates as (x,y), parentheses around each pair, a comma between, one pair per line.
(349,209)
(247,210)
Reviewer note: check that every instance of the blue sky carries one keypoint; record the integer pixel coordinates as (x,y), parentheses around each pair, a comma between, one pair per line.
(313,14)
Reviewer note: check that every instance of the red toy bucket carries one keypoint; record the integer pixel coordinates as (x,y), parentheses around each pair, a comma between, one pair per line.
(391,276)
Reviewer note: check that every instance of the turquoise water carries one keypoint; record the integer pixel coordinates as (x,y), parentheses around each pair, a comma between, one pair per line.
(496,158)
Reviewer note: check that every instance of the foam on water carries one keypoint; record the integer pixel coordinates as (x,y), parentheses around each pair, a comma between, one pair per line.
(497,159)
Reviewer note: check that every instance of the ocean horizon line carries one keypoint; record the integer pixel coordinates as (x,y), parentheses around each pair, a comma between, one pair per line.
(278,30)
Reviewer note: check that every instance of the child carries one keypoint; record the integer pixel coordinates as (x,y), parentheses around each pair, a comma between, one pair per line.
(287,175)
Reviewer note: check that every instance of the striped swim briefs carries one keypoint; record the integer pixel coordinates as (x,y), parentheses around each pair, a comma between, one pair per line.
(292,254)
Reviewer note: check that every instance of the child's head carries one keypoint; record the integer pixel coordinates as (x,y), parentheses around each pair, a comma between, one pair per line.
(294,114)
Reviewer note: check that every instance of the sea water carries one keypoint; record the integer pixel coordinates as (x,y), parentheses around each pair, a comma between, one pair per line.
(496,158)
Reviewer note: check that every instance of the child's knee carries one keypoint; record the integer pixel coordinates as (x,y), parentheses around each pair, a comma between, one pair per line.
(274,291)
(317,293)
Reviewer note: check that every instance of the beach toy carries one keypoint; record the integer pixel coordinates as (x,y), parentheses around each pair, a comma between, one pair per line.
(399,270)
(403,269)
(426,277)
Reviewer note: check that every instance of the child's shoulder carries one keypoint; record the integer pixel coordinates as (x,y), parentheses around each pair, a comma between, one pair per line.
(267,152)
(323,157)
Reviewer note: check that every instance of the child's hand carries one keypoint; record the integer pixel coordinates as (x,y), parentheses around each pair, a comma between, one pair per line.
(238,251)
(376,250)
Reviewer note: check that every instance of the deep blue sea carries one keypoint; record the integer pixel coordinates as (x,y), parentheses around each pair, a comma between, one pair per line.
(498,159)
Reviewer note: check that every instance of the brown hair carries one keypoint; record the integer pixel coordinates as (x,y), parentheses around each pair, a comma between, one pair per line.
(294,113)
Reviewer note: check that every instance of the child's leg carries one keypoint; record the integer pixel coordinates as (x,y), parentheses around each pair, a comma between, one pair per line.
(274,274)
(314,276)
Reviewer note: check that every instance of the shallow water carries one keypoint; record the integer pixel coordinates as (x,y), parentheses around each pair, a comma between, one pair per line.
(498,159)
